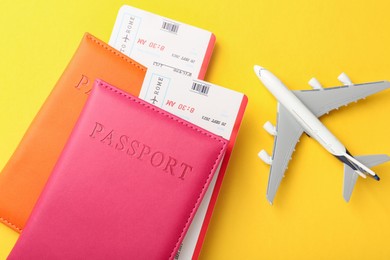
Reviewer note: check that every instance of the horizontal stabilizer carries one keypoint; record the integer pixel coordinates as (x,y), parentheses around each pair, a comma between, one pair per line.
(350,176)
(373,160)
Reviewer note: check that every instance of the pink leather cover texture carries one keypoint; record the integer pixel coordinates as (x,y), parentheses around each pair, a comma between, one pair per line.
(126,186)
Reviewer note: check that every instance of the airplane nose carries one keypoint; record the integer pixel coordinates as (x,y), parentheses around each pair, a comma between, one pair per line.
(258,69)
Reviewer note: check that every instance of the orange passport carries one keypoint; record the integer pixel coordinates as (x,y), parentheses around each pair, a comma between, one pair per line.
(27,171)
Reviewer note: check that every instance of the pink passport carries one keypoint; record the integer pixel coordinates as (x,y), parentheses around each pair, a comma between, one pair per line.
(126,186)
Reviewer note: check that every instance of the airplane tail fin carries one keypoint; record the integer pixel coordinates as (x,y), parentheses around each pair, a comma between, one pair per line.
(351,175)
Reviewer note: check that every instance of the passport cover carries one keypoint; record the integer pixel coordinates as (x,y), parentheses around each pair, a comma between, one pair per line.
(26,172)
(126,186)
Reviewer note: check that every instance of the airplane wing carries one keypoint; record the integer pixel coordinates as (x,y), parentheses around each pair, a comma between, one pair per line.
(350,176)
(288,134)
(321,101)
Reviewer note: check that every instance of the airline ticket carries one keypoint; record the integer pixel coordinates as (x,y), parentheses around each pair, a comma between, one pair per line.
(149,38)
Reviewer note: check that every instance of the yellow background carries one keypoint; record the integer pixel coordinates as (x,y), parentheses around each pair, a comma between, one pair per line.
(295,40)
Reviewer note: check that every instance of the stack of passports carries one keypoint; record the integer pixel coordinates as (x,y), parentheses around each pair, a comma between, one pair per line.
(126,185)
(101,174)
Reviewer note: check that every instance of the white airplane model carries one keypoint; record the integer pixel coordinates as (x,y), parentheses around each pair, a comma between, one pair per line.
(298,112)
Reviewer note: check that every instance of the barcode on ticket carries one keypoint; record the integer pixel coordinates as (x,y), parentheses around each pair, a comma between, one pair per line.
(170,27)
(200,88)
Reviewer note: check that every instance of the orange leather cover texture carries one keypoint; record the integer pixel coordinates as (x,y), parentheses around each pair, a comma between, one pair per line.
(25,174)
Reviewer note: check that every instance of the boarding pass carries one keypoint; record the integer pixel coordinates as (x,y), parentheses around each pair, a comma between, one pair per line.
(149,38)
(204,104)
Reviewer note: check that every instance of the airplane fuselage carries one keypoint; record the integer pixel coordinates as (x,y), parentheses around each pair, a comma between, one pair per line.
(310,123)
